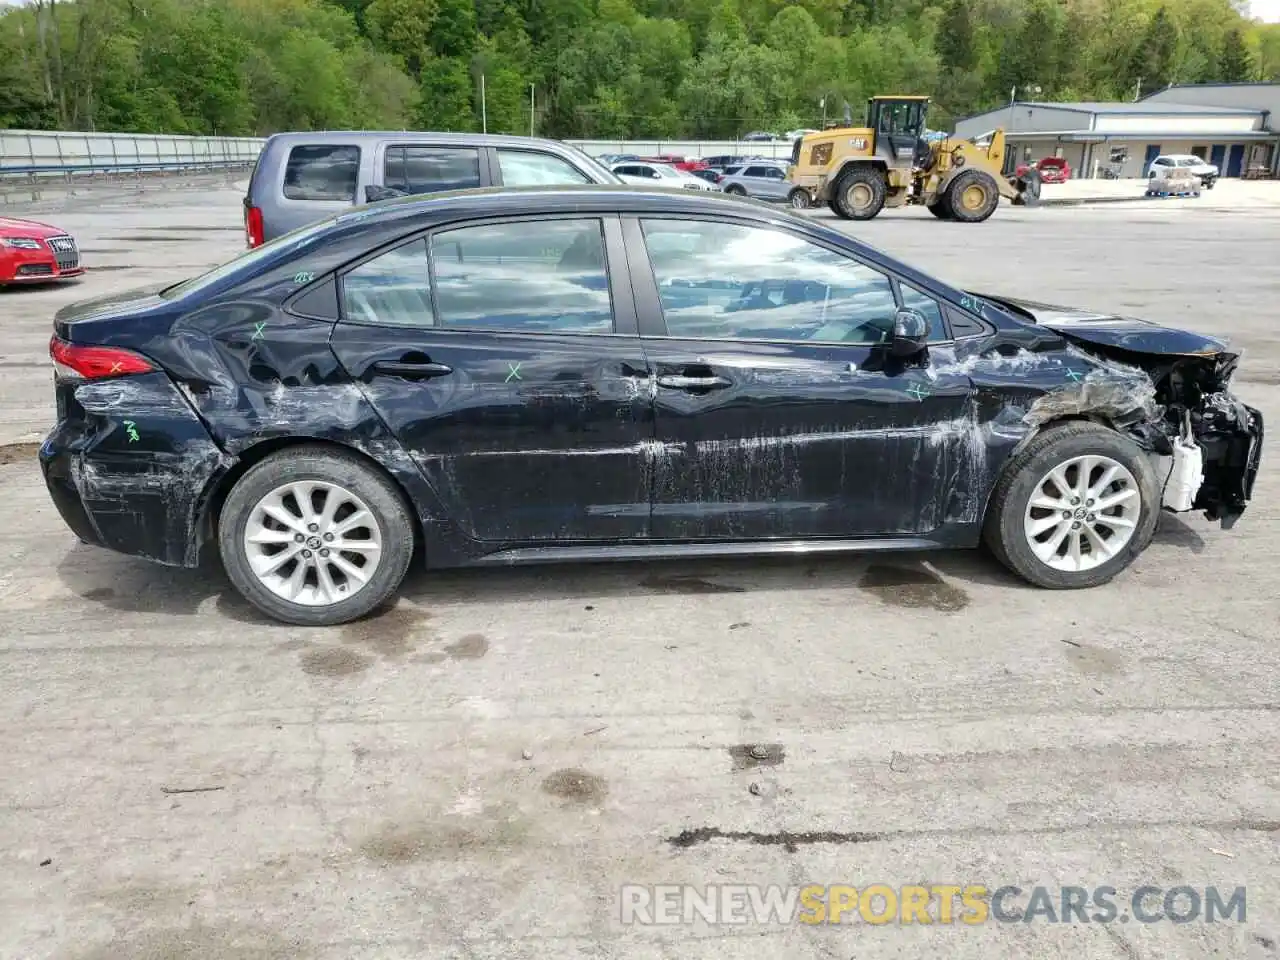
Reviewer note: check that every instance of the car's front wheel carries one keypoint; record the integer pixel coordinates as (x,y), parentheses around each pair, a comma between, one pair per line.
(314,536)
(1074,508)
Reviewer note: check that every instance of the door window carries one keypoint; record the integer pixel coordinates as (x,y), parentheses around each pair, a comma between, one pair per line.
(754,172)
(772,173)
(322,172)
(393,289)
(431,169)
(545,276)
(724,281)
(522,168)
(928,307)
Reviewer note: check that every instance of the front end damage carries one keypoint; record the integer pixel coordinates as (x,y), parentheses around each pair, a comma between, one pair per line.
(1204,442)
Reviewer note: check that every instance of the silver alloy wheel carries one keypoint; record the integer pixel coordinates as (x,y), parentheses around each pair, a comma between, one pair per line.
(312,543)
(799,200)
(1083,512)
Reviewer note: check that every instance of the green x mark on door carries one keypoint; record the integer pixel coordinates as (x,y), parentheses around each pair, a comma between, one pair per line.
(257,330)
(514,372)
(1075,375)
(917,391)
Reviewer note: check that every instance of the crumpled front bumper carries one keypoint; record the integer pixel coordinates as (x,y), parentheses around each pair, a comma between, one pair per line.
(1231,434)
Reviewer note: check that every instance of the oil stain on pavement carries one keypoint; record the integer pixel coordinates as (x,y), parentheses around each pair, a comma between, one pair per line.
(334,662)
(471,647)
(576,786)
(694,585)
(391,634)
(913,587)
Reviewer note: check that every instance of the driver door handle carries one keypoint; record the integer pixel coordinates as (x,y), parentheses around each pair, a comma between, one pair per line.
(412,371)
(680,382)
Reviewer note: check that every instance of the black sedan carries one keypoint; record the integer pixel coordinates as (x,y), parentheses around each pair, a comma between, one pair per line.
(497,377)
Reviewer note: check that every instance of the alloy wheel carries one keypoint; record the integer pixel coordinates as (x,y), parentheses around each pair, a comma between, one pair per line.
(1083,513)
(312,542)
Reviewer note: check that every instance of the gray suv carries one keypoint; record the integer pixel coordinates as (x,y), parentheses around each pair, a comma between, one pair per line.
(303,177)
(765,181)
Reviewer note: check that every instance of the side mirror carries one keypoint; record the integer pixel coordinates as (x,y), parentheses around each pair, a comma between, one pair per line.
(910,333)
(372,193)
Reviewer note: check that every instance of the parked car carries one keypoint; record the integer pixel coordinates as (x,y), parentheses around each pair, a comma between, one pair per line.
(709,175)
(799,134)
(31,251)
(1207,172)
(721,161)
(589,373)
(683,164)
(765,181)
(609,159)
(303,177)
(661,175)
(1051,169)
(758,136)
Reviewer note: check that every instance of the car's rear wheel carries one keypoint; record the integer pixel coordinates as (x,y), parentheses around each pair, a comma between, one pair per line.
(315,537)
(1074,508)
(735,190)
(799,199)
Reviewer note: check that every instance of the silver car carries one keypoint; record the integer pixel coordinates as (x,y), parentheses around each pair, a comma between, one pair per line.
(303,177)
(764,181)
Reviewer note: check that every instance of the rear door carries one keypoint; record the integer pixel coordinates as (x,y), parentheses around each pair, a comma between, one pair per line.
(778,410)
(418,168)
(523,168)
(504,357)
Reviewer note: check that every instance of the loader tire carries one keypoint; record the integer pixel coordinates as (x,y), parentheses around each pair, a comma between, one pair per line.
(973,196)
(860,192)
(940,209)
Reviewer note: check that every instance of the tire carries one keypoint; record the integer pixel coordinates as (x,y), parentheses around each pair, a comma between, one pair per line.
(967,204)
(860,192)
(799,199)
(735,190)
(1031,183)
(1011,516)
(940,209)
(388,537)
(838,210)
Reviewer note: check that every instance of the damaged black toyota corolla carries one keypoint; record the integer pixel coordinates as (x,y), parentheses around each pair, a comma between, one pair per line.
(498,377)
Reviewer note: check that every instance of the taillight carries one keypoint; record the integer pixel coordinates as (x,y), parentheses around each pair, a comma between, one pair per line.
(72,361)
(254,235)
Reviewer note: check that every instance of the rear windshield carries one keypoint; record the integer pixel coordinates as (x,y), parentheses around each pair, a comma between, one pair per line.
(322,172)
(293,241)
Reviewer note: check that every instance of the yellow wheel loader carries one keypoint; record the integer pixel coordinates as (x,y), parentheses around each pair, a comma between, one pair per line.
(858,171)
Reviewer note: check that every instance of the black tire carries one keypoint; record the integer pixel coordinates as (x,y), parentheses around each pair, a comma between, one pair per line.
(1004,531)
(1209,182)
(940,209)
(1030,182)
(859,181)
(384,500)
(958,194)
(735,190)
(838,210)
(799,199)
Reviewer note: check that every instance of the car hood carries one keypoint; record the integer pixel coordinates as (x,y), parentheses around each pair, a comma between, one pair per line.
(1110,330)
(13,227)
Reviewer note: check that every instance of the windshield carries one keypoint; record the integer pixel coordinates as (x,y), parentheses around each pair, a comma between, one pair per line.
(293,241)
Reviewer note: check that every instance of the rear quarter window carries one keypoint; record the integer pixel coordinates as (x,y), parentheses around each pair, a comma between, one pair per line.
(322,172)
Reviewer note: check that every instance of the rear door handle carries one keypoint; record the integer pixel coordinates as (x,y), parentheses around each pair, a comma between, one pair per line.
(412,371)
(680,382)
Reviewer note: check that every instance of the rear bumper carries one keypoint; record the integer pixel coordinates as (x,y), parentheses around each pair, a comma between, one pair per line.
(132,472)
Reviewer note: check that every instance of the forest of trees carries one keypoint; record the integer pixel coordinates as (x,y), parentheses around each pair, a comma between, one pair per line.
(598,68)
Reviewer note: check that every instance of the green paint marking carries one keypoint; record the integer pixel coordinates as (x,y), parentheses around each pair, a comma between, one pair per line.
(1075,375)
(301,278)
(257,330)
(917,391)
(514,373)
(131,429)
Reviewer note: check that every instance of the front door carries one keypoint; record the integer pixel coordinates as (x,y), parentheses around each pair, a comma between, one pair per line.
(778,410)
(1216,155)
(493,353)
(1235,161)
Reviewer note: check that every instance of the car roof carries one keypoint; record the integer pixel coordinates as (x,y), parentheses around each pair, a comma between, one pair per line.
(412,136)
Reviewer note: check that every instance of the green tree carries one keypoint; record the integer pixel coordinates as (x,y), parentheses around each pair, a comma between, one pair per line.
(1236,63)
(1154,63)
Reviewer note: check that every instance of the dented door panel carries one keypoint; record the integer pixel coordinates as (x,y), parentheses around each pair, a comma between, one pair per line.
(527,437)
(804,441)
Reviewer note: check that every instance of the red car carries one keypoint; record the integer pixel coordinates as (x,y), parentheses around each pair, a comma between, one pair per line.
(32,251)
(680,163)
(1051,170)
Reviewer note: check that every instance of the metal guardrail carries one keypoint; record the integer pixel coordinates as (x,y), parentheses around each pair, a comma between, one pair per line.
(33,155)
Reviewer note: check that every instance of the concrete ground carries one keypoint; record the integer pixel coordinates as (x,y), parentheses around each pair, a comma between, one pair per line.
(476,773)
